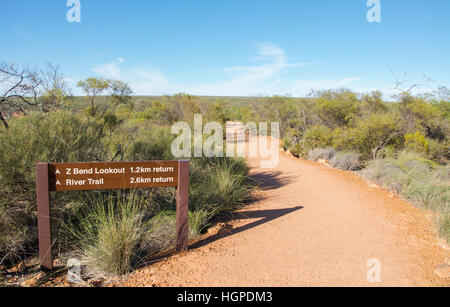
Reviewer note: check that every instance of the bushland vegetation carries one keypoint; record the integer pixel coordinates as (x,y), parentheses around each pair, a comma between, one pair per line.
(401,144)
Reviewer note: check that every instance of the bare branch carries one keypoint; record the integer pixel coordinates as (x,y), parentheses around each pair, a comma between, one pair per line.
(406,86)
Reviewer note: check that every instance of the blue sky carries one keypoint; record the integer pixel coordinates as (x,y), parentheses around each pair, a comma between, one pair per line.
(234,47)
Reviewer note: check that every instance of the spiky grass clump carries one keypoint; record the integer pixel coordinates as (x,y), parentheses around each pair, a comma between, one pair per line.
(110,234)
(199,220)
(218,186)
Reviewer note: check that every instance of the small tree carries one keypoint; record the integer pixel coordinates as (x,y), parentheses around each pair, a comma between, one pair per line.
(94,87)
(120,91)
(56,91)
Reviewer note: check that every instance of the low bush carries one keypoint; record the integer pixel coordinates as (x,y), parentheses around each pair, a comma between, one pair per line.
(370,135)
(348,161)
(322,153)
(116,242)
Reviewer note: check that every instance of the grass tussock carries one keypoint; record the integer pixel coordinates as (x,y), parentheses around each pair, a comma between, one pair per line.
(218,186)
(109,234)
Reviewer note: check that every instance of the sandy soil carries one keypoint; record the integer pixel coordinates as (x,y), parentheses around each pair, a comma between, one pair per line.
(313,226)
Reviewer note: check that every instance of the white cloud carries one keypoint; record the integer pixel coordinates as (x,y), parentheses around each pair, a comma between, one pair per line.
(263,78)
(151,82)
(110,70)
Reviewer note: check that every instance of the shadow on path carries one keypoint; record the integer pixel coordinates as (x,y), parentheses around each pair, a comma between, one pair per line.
(268,180)
(271,180)
(264,216)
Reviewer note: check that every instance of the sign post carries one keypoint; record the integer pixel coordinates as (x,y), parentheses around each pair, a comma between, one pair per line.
(58,177)
(43,207)
(183,206)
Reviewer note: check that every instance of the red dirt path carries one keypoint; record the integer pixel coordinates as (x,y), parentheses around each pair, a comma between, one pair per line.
(314,226)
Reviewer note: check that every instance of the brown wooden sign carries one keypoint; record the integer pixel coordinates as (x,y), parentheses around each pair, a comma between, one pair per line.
(58,177)
(112,176)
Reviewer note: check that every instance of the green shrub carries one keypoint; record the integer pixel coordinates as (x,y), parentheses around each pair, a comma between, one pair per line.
(317,137)
(416,142)
(54,137)
(171,109)
(348,138)
(151,144)
(373,103)
(337,108)
(370,135)
(417,107)
(298,151)
(138,141)
(218,186)
(284,110)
